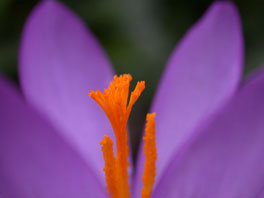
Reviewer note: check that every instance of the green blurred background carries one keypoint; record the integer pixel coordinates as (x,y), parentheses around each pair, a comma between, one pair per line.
(138,36)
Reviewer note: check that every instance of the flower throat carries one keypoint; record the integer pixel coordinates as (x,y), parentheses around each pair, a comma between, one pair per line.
(114,102)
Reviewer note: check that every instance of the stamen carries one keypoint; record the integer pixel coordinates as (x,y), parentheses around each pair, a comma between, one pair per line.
(150,157)
(114,103)
(110,166)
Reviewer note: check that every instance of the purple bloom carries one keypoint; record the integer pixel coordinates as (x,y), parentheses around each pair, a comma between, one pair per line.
(210,130)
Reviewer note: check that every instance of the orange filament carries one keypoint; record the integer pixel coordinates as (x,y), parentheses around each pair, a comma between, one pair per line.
(150,157)
(115,104)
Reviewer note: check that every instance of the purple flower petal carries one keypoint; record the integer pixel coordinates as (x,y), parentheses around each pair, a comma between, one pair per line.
(226,159)
(201,75)
(60,62)
(34,160)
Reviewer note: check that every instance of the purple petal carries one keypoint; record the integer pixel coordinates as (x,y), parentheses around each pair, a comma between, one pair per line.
(226,159)
(60,62)
(201,75)
(34,160)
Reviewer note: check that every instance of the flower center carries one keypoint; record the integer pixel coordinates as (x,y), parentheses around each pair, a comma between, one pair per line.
(114,102)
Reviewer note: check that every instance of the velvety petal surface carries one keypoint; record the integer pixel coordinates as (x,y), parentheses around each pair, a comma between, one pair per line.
(60,62)
(34,160)
(226,158)
(201,75)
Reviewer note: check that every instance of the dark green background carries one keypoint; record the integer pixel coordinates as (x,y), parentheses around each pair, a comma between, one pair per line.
(138,35)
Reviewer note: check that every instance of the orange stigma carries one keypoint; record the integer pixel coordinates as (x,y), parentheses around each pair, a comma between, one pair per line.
(115,104)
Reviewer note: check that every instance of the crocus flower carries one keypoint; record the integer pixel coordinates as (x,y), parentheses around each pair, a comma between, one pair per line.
(209,127)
